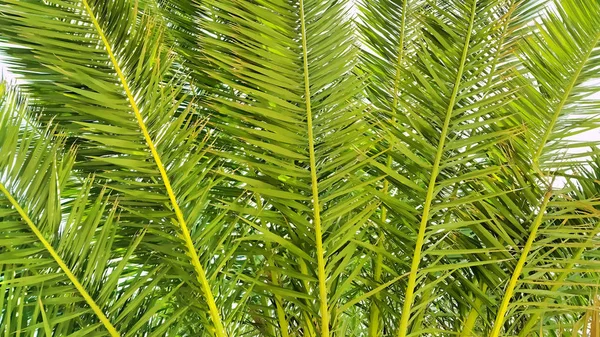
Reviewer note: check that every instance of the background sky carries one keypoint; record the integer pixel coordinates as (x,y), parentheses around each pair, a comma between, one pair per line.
(4,74)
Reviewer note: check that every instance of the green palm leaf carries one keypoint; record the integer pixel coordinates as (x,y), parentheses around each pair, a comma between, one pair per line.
(287,168)
(61,249)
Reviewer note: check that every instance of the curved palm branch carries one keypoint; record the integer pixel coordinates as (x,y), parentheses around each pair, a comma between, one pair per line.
(62,262)
(120,112)
(289,168)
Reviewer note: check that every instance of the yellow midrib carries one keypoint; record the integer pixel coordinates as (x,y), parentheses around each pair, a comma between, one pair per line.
(519,269)
(467,329)
(185,233)
(315,189)
(532,320)
(562,102)
(88,299)
(410,288)
(374,328)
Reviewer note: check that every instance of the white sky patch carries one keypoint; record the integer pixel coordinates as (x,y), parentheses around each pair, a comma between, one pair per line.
(5,75)
(591,134)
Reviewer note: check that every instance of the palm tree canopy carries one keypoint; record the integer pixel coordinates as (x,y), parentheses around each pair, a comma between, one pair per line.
(287,168)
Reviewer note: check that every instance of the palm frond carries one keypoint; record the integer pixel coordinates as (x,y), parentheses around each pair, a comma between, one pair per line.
(120,112)
(560,58)
(62,261)
(287,168)
(299,139)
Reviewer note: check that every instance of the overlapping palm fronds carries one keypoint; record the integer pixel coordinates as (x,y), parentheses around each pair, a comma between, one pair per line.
(299,168)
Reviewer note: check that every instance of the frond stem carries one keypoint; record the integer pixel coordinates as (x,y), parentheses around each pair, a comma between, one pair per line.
(89,300)
(467,329)
(412,279)
(533,319)
(374,324)
(185,232)
(562,102)
(324,309)
(519,268)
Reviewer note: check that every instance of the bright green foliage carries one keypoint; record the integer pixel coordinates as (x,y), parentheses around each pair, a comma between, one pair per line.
(292,168)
